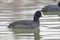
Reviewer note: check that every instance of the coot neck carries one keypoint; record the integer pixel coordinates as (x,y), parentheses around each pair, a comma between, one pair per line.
(36,19)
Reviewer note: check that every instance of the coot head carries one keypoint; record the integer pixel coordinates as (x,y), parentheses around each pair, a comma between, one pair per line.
(58,4)
(38,14)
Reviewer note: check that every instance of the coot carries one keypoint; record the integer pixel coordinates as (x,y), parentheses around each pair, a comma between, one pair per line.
(51,8)
(27,24)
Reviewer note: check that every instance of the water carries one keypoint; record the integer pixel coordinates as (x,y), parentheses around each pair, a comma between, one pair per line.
(11,11)
(50,30)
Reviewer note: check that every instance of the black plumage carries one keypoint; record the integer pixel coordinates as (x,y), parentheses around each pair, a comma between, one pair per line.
(51,8)
(27,24)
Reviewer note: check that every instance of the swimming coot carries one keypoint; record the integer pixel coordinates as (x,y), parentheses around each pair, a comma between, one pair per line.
(27,24)
(51,8)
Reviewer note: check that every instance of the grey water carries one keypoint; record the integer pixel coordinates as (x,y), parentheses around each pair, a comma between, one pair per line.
(13,10)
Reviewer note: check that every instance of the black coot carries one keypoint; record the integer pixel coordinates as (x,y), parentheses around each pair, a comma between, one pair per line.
(51,8)
(27,24)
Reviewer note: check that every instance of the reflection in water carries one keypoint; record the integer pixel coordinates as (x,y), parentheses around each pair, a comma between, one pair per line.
(22,9)
(50,30)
